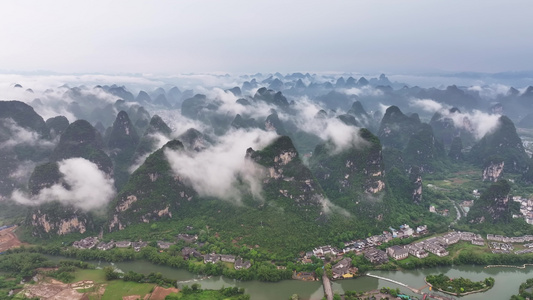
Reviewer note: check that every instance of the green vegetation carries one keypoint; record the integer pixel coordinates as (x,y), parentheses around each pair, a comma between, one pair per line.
(393,292)
(525,291)
(503,142)
(492,206)
(123,140)
(116,289)
(194,292)
(459,285)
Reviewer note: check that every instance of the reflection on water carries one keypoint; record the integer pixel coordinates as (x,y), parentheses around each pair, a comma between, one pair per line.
(507,281)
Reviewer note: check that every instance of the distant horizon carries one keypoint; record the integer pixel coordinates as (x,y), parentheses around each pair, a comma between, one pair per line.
(180,37)
(137,81)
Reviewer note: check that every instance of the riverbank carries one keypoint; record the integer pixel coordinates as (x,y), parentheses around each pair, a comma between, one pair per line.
(507,281)
(457,294)
(508,266)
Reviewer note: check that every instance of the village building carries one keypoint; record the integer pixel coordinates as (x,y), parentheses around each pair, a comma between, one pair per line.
(436,248)
(123,244)
(105,246)
(422,229)
(342,269)
(397,252)
(324,250)
(188,238)
(189,252)
(451,238)
(417,250)
(86,243)
(211,258)
(137,246)
(242,264)
(376,256)
(164,245)
(227,258)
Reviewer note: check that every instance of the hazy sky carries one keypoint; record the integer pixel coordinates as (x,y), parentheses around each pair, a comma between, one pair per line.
(170,37)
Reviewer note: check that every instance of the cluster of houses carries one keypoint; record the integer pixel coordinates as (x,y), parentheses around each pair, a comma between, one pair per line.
(528,249)
(359,246)
(93,242)
(343,269)
(187,252)
(420,249)
(514,239)
(498,247)
(526,209)
(86,243)
(435,245)
(213,258)
(366,246)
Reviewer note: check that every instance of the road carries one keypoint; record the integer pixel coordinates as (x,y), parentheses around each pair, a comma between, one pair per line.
(327,287)
(458,213)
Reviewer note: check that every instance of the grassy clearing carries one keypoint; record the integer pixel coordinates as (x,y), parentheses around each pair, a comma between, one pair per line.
(117,289)
(467,246)
(97,276)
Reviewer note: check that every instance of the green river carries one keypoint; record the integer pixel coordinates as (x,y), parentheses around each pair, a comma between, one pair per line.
(507,281)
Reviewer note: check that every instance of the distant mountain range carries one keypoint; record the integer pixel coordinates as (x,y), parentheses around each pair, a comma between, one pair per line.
(338,152)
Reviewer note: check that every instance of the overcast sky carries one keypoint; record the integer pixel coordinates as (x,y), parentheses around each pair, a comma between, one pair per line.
(171,37)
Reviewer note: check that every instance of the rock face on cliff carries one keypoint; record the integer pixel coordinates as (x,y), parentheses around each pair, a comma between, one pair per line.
(396,128)
(416,181)
(149,141)
(57,219)
(57,125)
(81,140)
(152,193)
(287,180)
(503,142)
(493,205)
(456,150)
(445,129)
(493,170)
(123,141)
(194,140)
(353,172)
(155,191)
(24,140)
(424,151)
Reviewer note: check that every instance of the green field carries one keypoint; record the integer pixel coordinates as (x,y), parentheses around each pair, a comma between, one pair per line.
(116,289)
(87,274)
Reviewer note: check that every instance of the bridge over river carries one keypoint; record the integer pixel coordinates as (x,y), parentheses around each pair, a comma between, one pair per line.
(414,290)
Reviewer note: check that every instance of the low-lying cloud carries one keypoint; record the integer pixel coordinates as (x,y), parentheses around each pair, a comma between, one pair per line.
(159,140)
(328,129)
(427,105)
(21,136)
(218,170)
(88,187)
(477,122)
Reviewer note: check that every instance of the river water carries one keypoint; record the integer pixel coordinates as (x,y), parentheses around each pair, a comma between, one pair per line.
(507,281)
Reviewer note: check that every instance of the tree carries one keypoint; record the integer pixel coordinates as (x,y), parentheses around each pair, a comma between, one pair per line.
(110,273)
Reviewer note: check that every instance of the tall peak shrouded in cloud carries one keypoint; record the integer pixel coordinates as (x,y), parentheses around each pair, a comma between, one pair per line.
(396,128)
(64,194)
(123,134)
(81,139)
(288,181)
(503,142)
(153,191)
(353,172)
(57,125)
(24,116)
(24,142)
(122,142)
